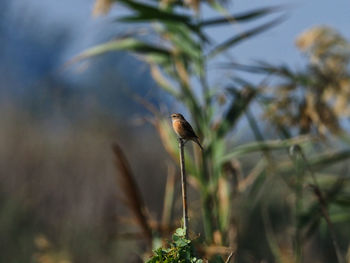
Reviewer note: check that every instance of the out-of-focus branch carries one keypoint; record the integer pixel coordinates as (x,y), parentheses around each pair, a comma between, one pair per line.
(297,150)
(132,192)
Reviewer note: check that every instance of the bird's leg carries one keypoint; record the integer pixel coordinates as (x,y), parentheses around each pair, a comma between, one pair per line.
(182,141)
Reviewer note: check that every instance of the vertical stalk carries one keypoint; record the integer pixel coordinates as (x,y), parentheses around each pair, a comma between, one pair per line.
(325,214)
(298,190)
(298,211)
(297,150)
(229,257)
(206,197)
(183,187)
(207,216)
(323,204)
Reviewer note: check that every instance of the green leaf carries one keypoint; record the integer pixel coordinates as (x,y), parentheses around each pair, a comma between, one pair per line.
(323,160)
(242,17)
(180,232)
(239,104)
(343,200)
(182,39)
(243,36)
(149,12)
(180,242)
(265,145)
(342,216)
(284,71)
(216,5)
(129,44)
(327,159)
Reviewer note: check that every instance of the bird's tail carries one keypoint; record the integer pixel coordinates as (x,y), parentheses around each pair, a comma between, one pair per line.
(196,140)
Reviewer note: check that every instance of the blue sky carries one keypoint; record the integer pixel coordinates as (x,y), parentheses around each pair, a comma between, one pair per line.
(74,17)
(277,45)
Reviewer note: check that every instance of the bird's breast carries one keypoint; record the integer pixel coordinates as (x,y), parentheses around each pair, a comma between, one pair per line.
(179,128)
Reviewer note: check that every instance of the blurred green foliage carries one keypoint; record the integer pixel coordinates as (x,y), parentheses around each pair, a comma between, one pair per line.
(256,199)
(179,53)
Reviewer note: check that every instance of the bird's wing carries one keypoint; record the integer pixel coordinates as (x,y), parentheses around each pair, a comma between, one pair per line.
(189,130)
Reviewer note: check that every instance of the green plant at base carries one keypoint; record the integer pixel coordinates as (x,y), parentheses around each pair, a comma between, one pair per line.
(180,250)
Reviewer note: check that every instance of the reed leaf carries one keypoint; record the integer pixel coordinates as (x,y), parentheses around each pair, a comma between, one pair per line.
(243,36)
(169,197)
(130,44)
(267,145)
(162,81)
(319,161)
(241,17)
(240,102)
(131,191)
(150,13)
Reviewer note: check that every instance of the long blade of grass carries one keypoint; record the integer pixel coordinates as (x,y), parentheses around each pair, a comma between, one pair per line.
(150,12)
(182,39)
(130,44)
(246,68)
(320,161)
(242,17)
(271,238)
(243,36)
(169,197)
(162,81)
(313,213)
(131,191)
(284,71)
(324,211)
(267,145)
(238,106)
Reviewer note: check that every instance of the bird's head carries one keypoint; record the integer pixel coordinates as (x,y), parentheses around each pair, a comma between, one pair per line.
(177,116)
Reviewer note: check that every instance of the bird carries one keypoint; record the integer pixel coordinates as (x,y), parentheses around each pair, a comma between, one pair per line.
(183,129)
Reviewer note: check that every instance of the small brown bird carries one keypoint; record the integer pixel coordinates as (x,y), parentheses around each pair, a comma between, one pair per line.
(183,129)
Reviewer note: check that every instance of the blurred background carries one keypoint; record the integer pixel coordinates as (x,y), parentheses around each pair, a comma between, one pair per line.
(67,195)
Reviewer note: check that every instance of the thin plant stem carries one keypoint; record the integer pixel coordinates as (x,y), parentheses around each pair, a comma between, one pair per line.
(206,199)
(168,197)
(183,186)
(229,257)
(325,214)
(257,133)
(207,216)
(298,210)
(323,204)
